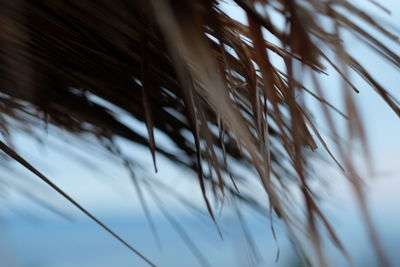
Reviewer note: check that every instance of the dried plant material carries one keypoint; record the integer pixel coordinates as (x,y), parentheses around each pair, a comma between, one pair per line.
(189,66)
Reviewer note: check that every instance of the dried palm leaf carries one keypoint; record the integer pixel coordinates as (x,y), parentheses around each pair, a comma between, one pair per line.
(188,66)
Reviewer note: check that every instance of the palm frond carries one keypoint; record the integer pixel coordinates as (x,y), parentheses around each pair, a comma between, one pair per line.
(188,66)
